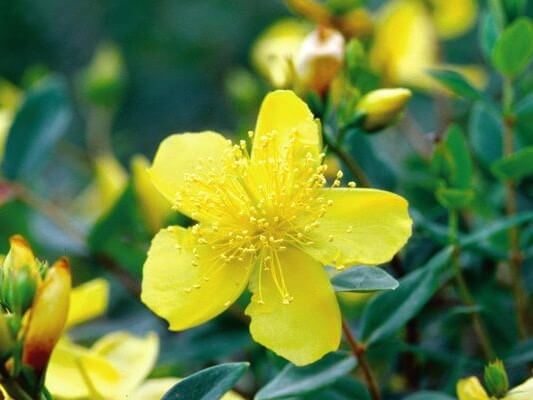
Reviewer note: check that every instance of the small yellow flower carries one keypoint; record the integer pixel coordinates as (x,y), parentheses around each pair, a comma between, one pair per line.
(471,389)
(274,51)
(10,98)
(267,221)
(405,43)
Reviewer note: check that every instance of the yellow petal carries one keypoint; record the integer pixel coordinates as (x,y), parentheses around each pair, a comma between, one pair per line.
(64,376)
(88,301)
(306,328)
(521,392)
(274,51)
(111,179)
(182,155)
(362,226)
(405,43)
(133,357)
(471,389)
(153,205)
(185,290)
(454,17)
(285,116)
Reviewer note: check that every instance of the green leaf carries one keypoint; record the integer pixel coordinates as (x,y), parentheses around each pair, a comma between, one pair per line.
(363,279)
(388,312)
(428,395)
(454,198)
(208,384)
(486,131)
(292,380)
(451,159)
(516,166)
(457,84)
(514,48)
(121,233)
(488,34)
(346,388)
(41,120)
(494,228)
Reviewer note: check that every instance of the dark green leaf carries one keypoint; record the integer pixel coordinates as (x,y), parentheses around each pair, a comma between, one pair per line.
(346,388)
(521,354)
(41,120)
(388,312)
(514,48)
(428,395)
(486,131)
(494,228)
(524,120)
(208,384)
(457,84)
(292,380)
(488,34)
(516,167)
(363,279)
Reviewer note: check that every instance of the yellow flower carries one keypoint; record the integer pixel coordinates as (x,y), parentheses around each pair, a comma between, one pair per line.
(274,51)
(267,221)
(521,392)
(452,18)
(10,98)
(405,43)
(471,389)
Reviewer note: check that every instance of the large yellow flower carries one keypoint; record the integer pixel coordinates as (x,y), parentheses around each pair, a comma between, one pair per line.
(265,220)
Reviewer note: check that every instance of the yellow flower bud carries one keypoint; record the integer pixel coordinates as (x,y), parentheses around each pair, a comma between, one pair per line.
(381,107)
(111,179)
(471,389)
(356,23)
(20,276)
(320,58)
(47,316)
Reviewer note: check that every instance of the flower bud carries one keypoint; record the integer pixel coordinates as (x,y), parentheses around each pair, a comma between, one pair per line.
(6,338)
(103,81)
(495,378)
(20,276)
(381,107)
(310,9)
(320,58)
(47,316)
(471,389)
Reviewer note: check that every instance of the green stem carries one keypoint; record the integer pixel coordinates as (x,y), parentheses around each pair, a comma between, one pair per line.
(464,291)
(353,166)
(358,351)
(12,387)
(511,208)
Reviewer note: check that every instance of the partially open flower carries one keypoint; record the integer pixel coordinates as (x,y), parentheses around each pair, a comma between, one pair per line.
(320,58)
(47,317)
(382,107)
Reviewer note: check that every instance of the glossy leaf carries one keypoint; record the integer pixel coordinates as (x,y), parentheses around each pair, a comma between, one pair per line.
(388,312)
(457,84)
(363,279)
(41,120)
(488,34)
(292,380)
(514,48)
(208,384)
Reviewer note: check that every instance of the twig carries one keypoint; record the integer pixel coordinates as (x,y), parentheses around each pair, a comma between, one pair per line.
(358,351)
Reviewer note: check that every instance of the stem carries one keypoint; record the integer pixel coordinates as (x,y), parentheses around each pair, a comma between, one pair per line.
(358,351)
(353,166)
(12,387)
(464,291)
(511,207)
